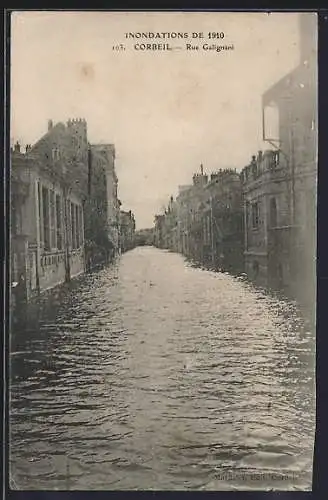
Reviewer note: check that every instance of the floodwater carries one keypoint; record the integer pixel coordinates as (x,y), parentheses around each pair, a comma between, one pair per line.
(153,374)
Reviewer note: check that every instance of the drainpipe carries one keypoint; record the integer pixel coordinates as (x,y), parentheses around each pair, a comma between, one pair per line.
(38,257)
(292,165)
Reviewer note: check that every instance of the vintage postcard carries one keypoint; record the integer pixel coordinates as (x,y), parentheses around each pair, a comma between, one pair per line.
(163,180)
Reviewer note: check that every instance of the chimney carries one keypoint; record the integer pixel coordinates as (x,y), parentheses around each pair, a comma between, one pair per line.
(201,169)
(17,147)
(50,125)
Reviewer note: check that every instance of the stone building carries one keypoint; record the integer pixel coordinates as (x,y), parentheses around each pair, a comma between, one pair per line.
(182,223)
(194,222)
(159,228)
(280,185)
(47,222)
(171,226)
(262,179)
(144,237)
(184,202)
(103,212)
(63,191)
(222,219)
(127,230)
(165,230)
(204,223)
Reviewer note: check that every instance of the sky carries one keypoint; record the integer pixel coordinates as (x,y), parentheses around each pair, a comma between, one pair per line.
(166,111)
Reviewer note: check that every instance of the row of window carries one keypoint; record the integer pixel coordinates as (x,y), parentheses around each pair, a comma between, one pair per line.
(305,211)
(254,214)
(54,215)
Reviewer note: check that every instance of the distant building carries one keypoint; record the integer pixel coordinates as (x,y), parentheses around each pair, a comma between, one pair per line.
(159,230)
(184,203)
(127,230)
(280,185)
(194,216)
(205,222)
(144,237)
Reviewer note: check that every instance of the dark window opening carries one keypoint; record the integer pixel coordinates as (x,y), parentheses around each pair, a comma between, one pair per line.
(40,211)
(46,224)
(77,225)
(73,233)
(52,220)
(58,223)
(255,215)
(273,212)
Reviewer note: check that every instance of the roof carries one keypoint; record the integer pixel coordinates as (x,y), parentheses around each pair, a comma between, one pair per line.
(288,82)
(58,127)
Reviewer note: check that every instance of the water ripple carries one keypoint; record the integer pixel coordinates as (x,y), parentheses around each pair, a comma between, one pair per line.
(153,374)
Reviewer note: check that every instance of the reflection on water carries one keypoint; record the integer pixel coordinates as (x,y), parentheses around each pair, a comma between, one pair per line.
(152,374)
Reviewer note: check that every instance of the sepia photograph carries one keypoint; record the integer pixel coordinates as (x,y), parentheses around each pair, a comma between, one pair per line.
(162,259)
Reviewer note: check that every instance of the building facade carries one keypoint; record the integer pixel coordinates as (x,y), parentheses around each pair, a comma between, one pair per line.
(103,177)
(158,230)
(264,182)
(205,222)
(47,224)
(63,195)
(280,185)
(222,222)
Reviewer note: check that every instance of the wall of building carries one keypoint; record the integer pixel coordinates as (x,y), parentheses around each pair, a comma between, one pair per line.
(47,225)
(127,230)
(205,223)
(289,246)
(103,155)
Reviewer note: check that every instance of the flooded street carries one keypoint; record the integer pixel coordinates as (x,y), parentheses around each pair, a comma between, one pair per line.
(152,374)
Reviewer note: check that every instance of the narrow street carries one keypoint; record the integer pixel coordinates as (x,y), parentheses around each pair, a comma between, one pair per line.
(152,374)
